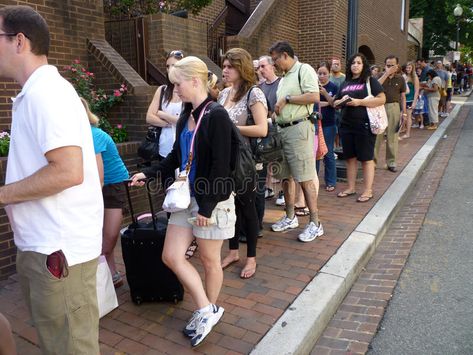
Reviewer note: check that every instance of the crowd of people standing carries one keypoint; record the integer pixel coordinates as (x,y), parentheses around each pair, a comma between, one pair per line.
(71,176)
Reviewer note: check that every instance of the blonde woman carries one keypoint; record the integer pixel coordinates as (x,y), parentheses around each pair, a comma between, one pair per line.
(211,214)
(411,98)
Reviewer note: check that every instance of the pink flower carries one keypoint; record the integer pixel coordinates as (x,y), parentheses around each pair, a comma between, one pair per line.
(117,93)
(76,61)
(73,70)
(67,67)
(119,126)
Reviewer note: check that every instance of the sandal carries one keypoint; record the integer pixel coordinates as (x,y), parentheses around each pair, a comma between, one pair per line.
(191,249)
(329,188)
(248,273)
(301,211)
(345,194)
(364,198)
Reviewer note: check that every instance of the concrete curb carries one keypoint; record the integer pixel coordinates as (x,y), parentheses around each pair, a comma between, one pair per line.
(298,329)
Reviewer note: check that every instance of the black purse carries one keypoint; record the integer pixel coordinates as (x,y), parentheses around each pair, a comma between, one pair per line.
(149,147)
(266,149)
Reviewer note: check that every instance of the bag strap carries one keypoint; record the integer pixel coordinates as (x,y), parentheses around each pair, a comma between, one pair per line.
(191,150)
(161,97)
(300,85)
(368,86)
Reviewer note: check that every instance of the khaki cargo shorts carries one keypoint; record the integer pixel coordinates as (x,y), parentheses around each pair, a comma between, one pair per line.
(298,148)
(223,215)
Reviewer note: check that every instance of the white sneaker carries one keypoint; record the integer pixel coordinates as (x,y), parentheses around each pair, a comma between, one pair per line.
(311,232)
(206,321)
(191,326)
(280,200)
(285,223)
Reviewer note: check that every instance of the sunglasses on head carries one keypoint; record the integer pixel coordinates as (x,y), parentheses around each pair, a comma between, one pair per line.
(176,54)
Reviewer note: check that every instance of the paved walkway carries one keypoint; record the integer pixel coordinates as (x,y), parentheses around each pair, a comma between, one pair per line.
(285,266)
(354,325)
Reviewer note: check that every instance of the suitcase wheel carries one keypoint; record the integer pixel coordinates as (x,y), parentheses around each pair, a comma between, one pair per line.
(176,301)
(137,300)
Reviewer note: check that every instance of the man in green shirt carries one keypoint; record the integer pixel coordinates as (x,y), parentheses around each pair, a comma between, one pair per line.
(296,95)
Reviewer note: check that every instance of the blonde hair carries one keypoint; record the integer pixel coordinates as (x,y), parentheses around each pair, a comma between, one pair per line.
(413,74)
(212,80)
(189,68)
(93,119)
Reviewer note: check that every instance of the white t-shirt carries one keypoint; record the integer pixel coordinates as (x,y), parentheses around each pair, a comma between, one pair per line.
(168,134)
(47,114)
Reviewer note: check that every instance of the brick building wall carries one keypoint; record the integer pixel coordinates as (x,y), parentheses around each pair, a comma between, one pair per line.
(380,28)
(209,13)
(168,33)
(70,22)
(318,29)
(277,22)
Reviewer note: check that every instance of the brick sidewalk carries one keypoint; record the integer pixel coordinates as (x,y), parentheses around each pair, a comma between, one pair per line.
(356,322)
(252,306)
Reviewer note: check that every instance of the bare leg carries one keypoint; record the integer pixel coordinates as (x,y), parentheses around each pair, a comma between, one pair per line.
(368,177)
(112,221)
(210,257)
(7,343)
(175,245)
(408,124)
(311,189)
(288,186)
(352,165)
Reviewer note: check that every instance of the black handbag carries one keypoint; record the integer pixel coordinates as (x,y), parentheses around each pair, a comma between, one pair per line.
(149,147)
(265,149)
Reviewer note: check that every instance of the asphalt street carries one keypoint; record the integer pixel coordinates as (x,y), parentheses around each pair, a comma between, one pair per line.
(431,311)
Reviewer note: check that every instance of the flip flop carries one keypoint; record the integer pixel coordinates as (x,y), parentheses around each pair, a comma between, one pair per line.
(345,194)
(364,198)
(243,274)
(329,188)
(192,249)
(301,211)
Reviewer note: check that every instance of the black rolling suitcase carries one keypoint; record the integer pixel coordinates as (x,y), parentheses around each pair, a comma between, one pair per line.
(142,246)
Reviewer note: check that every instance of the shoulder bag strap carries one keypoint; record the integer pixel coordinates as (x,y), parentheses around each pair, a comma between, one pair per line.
(191,150)
(300,85)
(368,86)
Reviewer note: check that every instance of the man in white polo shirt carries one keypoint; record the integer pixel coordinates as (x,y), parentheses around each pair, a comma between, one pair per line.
(52,192)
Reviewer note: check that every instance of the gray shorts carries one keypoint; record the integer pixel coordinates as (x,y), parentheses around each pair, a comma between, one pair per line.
(299,155)
(223,215)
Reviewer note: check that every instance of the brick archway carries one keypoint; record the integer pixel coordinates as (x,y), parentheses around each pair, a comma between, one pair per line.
(367,53)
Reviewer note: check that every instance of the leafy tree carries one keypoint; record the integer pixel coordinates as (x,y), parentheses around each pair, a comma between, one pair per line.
(440,23)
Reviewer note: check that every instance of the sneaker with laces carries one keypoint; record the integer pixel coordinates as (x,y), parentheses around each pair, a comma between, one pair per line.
(311,232)
(268,193)
(280,200)
(205,322)
(191,326)
(285,223)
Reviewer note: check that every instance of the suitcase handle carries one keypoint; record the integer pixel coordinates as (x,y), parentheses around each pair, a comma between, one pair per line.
(132,212)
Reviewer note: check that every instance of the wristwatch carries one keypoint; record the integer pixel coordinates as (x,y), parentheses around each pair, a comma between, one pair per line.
(288,98)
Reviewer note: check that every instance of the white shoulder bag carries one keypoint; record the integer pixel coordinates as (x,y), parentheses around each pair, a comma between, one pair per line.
(178,195)
(377,115)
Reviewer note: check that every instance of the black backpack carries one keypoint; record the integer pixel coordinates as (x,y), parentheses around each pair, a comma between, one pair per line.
(242,163)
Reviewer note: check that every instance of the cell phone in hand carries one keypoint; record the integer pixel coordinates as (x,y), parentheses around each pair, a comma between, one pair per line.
(344,101)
